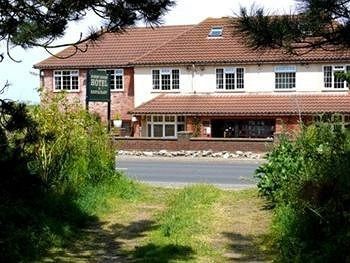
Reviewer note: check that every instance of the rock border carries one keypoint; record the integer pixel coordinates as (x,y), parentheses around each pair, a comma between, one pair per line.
(195,154)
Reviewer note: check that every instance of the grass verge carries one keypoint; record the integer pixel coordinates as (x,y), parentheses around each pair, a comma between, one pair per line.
(29,228)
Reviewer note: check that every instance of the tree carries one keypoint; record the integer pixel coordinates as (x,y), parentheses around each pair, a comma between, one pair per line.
(38,23)
(316,24)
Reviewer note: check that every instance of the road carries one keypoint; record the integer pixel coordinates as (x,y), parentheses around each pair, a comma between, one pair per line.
(175,172)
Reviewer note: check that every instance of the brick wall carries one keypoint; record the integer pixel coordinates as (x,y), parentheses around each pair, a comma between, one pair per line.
(121,101)
(153,144)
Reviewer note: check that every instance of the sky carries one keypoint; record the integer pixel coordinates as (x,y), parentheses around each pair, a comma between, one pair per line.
(24,80)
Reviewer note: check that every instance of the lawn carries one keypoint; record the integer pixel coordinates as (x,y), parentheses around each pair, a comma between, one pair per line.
(195,224)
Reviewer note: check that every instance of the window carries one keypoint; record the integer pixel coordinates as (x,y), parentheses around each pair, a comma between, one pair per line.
(116,79)
(285,77)
(66,80)
(331,81)
(229,78)
(166,79)
(242,128)
(335,120)
(215,31)
(160,126)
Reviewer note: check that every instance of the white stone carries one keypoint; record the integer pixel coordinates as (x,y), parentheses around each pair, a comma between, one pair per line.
(163,152)
(226,155)
(148,154)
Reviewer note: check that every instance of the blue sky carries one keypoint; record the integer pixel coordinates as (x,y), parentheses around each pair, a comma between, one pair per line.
(24,79)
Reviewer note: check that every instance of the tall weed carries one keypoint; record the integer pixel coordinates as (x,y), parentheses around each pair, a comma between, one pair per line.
(74,148)
(307,179)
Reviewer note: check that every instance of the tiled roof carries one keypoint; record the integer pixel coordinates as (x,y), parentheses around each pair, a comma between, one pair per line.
(194,46)
(115,49)
(167,45)
(247,104)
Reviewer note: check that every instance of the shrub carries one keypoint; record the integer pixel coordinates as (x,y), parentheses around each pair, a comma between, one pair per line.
(57,169)
(308,181)
(74,147)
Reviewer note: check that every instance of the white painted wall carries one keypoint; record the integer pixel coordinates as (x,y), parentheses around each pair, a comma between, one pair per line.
(309,78)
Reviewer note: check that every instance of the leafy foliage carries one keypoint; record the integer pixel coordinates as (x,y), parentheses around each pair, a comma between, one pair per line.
(282,167)
(18,135)
(311,194)
(74,147)
(40,23)
(57,169)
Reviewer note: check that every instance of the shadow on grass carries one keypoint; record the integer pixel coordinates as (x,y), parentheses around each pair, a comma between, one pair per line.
(100,242)
(54,229)
(248,248)
(162,253)
(103,243)
(30,226)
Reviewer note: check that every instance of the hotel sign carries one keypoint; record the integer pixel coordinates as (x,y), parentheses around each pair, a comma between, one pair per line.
(98,86)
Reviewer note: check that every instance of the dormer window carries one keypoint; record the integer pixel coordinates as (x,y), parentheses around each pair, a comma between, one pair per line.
(216,31)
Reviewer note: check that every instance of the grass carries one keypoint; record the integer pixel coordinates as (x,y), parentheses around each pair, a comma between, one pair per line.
(123,221)
(183,226)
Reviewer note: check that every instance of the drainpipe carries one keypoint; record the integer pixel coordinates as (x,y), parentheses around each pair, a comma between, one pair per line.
(193,76)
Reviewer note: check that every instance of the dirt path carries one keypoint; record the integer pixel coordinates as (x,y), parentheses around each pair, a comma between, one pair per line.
(242,227)
(108,239)
(238,231)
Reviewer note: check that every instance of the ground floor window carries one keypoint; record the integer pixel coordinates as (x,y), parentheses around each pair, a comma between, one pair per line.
(243,128)
(337,120)
(160,126)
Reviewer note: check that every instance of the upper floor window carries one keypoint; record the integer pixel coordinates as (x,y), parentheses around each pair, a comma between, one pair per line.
(215,31)
(285,77)
(229,78)
(66,80)
(116,79)
(330,79)
(166,79)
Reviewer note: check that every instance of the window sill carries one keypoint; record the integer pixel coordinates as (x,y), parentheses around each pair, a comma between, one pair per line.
(335,90)
(285,90)
(165,91)
(66,91)
(117,90)
(230,91)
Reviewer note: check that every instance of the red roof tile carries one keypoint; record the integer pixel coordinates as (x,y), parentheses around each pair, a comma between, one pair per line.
(247,104)
(194,46)
(181,45)
(115,49)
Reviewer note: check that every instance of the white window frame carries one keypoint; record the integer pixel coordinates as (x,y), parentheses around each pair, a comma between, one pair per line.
(334,69)
(59,73)
(164,123)
(162,71)
(225,71)
(285,69)
(114,89)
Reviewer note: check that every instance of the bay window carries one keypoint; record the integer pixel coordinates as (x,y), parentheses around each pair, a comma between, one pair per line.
(164,126)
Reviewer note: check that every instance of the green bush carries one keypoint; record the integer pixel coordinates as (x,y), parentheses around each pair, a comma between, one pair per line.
(57,171)
(74,147)
(307,179)
(284,163)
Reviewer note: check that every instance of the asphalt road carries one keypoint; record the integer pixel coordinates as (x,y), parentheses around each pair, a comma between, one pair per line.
(183,171)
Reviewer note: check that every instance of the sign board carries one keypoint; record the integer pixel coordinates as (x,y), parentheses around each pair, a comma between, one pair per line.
(98,86)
